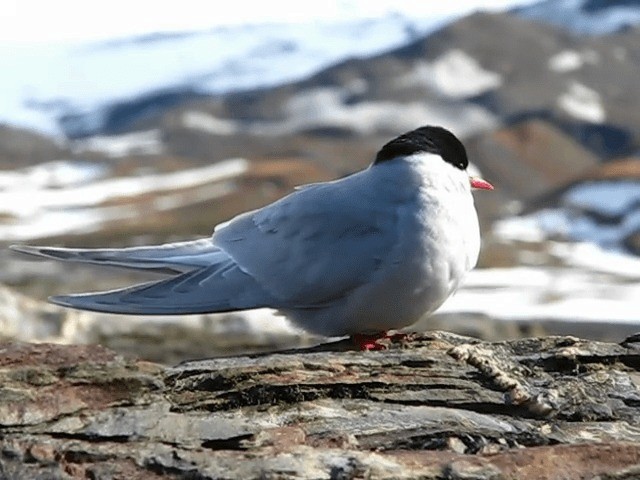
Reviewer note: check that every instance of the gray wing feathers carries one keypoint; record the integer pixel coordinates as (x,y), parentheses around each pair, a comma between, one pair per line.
(171,257)
(219,288)
(308,249)
(313,246)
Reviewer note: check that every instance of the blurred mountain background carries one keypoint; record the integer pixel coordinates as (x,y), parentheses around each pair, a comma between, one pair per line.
(157,135)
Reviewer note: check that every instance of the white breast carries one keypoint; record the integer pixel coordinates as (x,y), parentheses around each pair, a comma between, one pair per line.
(438,243)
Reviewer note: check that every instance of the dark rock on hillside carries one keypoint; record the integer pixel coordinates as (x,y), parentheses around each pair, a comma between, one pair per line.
(625,169)
(442,406)
(604,140)
(20,148)
(127,115)
(524,161)
(632,243)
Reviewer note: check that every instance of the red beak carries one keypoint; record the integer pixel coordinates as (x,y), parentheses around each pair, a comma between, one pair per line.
(480,184)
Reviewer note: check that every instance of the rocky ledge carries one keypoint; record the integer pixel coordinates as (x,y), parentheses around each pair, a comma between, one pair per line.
(439,406)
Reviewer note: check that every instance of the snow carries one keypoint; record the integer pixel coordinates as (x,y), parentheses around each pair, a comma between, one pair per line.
(525,228)
(37,210)
(454,75)
(582,103)
(457,75)
(61,173)
(571,60)
(574,219)
(611,198)
(136,143)
(564,224)
(593,258)
(20,200)
(208,123)
(596,281)
(582,291)
(565,61)
(327,106)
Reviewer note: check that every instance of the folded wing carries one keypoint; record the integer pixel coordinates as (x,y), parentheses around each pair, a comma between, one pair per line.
(306,250)
(315,245)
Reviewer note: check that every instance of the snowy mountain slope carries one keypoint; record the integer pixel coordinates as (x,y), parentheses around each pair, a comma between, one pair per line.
(66,81)
(68,88)
(462,76)
(589,17)
(459,76)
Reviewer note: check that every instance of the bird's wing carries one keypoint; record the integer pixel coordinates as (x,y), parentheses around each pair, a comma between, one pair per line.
(171,257)
(315,245)
(218,288)
(305,250)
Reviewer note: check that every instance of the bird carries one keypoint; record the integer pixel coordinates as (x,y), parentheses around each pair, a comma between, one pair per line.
(359,256)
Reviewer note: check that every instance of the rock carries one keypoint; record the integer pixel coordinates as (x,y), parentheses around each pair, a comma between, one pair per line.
(437,406)
(21,148)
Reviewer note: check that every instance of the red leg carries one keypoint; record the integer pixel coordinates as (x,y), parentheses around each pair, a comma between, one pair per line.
(371,342)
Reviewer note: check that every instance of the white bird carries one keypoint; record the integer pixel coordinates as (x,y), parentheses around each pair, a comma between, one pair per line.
(368,253)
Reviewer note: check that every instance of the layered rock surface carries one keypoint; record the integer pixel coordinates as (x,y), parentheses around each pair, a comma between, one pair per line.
(441,406)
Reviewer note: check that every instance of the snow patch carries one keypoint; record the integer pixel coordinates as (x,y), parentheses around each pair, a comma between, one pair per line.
(604,213)
(36,210)
(208,123)
(526,229)
(582,103)
(588,291)
(327,107)
(570,60)
(115,146)
(457,75)
(606,197)
(57,174)
(453,75)
(594,259)
(566,224)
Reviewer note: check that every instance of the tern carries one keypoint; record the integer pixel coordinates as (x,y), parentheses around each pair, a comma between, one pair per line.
(368,253)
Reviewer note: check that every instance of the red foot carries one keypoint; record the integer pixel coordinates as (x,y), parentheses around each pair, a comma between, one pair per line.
(371,342)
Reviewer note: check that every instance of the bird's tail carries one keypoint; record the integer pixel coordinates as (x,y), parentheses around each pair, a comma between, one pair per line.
(171,257)
(217,288)
(205,280)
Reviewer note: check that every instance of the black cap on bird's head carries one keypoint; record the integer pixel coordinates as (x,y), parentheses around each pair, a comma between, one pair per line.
(430,139)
